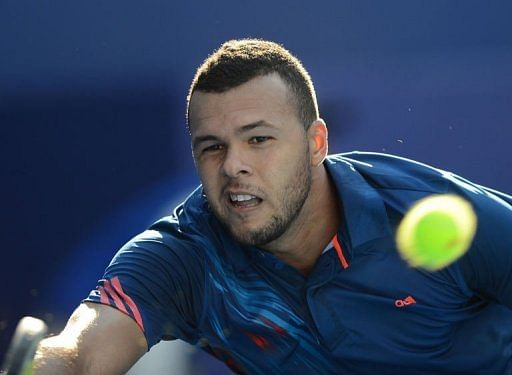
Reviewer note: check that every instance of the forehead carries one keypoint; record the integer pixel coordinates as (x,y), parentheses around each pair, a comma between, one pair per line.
(264,98)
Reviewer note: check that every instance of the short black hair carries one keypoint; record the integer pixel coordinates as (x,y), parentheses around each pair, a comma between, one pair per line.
(238,61)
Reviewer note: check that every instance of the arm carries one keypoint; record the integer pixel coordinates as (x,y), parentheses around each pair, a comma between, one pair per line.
(157,278)
(97,339)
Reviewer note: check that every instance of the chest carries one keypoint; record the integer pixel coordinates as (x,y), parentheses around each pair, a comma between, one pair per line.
(376,310)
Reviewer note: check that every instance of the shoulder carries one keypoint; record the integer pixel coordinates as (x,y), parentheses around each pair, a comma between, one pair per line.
(394,172)
(384,171)
(192,233)
(186,218)
(401,181)
(180,237)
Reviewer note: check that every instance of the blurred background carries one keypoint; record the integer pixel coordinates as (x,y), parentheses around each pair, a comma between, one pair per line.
(92,127)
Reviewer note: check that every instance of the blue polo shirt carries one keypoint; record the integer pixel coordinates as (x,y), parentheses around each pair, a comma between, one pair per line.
(362,309)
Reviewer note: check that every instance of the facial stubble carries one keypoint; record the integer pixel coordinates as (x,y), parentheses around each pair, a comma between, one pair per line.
(292,198)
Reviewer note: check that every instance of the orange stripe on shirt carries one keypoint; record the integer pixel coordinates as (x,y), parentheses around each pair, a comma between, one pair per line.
(117,300)
(339,251)
(126,298)
(103,296)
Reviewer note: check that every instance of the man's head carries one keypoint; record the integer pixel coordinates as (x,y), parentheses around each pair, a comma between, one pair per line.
(238,61)
(255,148)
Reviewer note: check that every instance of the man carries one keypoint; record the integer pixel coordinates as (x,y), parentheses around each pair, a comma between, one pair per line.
(284,261)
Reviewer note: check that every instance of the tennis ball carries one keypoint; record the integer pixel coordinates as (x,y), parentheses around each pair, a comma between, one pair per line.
(436,231)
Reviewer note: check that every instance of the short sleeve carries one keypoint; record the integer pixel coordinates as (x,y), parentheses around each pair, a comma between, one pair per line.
(487,267)
(158,280)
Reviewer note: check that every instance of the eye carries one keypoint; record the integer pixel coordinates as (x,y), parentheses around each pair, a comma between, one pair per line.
(258,139)
(213,148)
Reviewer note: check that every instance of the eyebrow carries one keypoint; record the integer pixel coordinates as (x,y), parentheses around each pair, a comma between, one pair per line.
(243,129)
(254,125)
(203,138)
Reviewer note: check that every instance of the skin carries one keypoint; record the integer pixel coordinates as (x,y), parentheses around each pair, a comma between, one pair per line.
(249,140)
(97,339)
(255,145)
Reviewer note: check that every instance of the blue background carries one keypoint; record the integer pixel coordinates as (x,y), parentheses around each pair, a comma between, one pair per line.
(92,103)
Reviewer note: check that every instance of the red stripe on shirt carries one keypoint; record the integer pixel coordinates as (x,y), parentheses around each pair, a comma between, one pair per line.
(117,300)
(103,296)
(126,298)
(339,251)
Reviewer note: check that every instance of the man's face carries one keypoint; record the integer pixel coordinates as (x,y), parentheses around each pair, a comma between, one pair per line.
(252,155)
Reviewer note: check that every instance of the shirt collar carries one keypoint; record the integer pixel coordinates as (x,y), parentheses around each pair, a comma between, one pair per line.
(363,208)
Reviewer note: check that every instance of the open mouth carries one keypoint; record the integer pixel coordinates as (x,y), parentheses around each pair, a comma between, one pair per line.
(244,200)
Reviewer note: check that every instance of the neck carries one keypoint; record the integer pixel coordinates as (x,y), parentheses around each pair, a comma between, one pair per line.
(313,229)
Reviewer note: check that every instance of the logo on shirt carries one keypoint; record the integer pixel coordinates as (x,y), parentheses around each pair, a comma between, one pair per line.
(405,302)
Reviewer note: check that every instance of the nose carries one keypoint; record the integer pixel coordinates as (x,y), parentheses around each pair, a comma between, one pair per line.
(235,163)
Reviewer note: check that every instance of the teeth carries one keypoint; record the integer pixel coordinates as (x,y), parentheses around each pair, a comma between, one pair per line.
(241,197)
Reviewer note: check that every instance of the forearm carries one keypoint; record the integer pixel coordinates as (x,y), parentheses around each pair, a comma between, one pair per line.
(96,340)
(57,357)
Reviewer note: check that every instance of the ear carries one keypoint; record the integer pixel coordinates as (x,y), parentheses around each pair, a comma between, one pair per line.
(318,144)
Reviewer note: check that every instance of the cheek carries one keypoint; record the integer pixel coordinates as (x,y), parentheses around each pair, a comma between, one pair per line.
(277,175)
(208,176)
(281,165)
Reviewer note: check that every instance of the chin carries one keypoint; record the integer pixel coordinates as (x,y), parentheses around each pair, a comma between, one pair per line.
(258,236)
(246,236)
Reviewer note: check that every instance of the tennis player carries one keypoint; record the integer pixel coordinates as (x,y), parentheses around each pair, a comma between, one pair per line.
(283,261)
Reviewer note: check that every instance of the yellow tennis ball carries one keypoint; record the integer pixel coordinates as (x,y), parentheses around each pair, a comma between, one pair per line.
(436,231)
